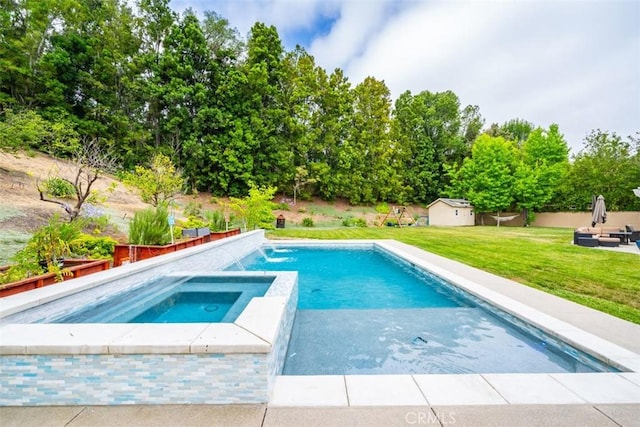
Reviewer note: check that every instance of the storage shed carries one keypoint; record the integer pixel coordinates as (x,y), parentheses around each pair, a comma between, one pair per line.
(451,212)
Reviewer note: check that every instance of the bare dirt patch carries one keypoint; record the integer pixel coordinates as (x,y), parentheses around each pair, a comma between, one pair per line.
(18,189)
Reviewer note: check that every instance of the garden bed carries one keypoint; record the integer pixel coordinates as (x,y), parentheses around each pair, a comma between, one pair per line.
(123,254)
(72,268)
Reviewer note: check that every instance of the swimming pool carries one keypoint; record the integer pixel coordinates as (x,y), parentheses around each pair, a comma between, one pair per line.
(242,362)
(362,310)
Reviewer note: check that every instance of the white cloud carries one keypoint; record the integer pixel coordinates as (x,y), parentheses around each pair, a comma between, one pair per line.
(357,23)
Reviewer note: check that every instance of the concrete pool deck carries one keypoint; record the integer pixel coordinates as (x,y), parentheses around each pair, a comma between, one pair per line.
(477,399)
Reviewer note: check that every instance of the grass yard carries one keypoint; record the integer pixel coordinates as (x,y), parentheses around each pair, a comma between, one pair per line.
(542,258)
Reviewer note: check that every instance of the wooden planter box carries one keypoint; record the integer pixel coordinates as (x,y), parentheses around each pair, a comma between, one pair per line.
(123,254)
(77,267)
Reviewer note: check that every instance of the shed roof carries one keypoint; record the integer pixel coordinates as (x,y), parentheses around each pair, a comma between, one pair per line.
(454,203)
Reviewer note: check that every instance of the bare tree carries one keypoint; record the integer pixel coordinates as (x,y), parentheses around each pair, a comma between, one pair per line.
(90,162)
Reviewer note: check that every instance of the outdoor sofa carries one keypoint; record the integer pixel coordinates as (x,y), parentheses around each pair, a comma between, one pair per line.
(596,236)
(635,234)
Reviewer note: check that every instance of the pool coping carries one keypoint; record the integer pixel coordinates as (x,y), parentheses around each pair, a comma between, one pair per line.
(481,389)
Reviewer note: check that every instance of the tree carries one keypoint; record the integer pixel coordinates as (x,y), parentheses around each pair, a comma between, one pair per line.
(471,123)
(365,169)
(154,22)
(263,130)
(516,130)
(608,165)
(185,69)
(27,130)
(22,131)
(223,40)
(210,154)
(543,164)
(486,179)
(426,128)
(332,123)
(255,211)
(26,28)
(301,179)
(301,91)
(158,183)
(91,161)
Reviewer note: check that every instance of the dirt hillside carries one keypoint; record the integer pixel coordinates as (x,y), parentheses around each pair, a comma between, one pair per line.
(22,211)
(22,208)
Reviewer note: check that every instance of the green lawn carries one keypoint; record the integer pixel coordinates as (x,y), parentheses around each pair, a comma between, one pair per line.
(542,258)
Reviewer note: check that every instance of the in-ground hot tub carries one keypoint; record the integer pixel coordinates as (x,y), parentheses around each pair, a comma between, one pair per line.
(176,298)
(49,363)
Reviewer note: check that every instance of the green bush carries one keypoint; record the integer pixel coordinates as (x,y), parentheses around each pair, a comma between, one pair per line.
(92,247)
(59,187)
(307,221)
(45,250)
(361,222)
(150,227)
(193,208)
(255,210)
(94,220)
(354,222)
(192,222)
(283,206)
(215,220)
(382,208)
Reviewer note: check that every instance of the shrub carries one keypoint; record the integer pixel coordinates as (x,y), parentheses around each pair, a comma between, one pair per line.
(354,222)
(193,209)
(150,227)
(88,246)
(215,220)
(192,222)
(59,187)
(45,250)
(255,210)
(93,219)
(382,208)
(360,222)
(307,221)
(158,183)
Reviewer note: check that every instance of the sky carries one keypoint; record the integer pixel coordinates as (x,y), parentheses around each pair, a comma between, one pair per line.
(575,63)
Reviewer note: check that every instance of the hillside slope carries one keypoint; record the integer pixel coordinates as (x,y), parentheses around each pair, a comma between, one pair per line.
(22,211)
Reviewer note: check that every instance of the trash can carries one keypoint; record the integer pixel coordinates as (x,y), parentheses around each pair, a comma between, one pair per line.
(280,221)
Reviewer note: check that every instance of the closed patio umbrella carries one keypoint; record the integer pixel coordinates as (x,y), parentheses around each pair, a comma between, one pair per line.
(599,212)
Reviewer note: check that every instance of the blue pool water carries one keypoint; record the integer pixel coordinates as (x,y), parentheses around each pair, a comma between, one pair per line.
(175,299)
(363,311)
(331,278)
(189,307)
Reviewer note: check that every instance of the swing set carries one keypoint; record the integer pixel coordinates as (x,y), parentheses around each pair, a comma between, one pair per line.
(402,216)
